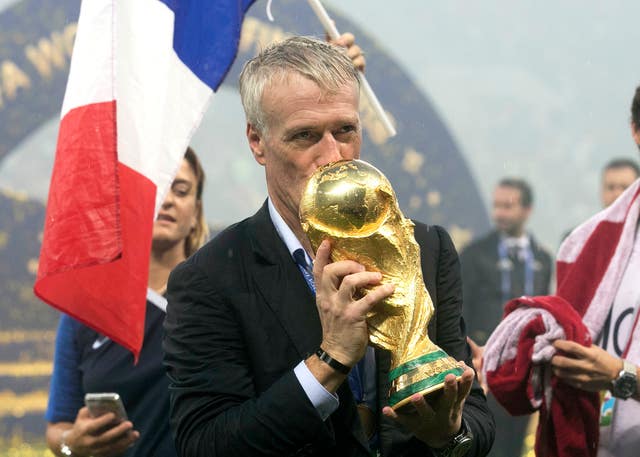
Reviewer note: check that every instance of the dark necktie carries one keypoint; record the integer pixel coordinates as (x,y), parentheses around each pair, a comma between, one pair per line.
(514,253)
(517,273)
(305,268)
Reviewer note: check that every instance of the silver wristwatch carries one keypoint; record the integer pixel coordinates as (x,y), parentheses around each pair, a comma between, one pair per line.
(64,447)
(459,445)
(626,384)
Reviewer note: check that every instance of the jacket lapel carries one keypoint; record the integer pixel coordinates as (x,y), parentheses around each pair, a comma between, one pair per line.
(282,286)
(285,291)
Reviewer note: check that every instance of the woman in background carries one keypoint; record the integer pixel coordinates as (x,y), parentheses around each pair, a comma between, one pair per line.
(86,361)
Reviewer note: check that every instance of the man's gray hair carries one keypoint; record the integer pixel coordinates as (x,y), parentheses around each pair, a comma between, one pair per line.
(325,64)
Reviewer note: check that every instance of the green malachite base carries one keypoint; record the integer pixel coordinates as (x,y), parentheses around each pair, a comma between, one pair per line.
(422,377)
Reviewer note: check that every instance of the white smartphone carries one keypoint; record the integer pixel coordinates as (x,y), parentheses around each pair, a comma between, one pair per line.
(105,402)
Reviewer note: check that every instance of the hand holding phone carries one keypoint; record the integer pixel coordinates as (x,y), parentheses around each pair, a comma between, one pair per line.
(94,433)
(105,402)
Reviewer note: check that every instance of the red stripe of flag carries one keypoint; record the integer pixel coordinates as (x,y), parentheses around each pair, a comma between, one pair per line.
(94,260)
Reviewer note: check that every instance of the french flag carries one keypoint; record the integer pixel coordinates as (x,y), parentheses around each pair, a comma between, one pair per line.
(142,75)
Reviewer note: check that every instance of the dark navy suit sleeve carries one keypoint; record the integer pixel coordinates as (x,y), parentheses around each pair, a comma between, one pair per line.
(215,409)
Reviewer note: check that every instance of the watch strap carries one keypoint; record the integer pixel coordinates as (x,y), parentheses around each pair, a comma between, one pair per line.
(629,367)
(626,384)
(333,363)
(459,444)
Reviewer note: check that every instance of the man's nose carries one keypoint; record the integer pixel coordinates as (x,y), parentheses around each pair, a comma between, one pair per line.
(330,148)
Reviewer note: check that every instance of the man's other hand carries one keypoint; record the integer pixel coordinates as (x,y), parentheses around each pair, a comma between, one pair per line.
(436,424)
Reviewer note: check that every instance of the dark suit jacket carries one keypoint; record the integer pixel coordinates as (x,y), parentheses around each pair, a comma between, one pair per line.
(241,317)
(481,278)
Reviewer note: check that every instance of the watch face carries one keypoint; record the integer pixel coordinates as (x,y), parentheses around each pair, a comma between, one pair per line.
(462,447)
(625,385)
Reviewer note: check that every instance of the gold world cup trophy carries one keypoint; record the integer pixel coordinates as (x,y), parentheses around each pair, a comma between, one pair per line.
(352,204)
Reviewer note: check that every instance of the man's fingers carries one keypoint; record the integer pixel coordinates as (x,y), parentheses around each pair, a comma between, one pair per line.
(356,278)
(345,40)
(323,258)
(569,365)
(464,385)
(374,296)
(357,57)
(96,424)
(83,413)
(472,344)
(577,380)
(476,350)
(403,419)
(390,413)
(354,51)
(421,406)
(450,392)
(571,348)
(116,433)
(336,272)
(118,445)
(352,283)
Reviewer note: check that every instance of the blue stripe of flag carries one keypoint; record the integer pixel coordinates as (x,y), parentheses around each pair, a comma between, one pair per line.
(206,35)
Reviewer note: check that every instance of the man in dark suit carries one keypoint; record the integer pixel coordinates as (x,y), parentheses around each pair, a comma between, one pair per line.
(257,364)
(504,264)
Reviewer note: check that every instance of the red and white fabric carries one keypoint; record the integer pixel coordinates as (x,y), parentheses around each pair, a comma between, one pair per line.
(590,265)
(142,75)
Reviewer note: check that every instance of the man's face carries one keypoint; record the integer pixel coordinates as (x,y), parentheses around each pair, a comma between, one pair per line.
(509,216)
(305,130)
(635,133)
(614,182)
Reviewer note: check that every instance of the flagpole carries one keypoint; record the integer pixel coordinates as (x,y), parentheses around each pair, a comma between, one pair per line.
(333,33)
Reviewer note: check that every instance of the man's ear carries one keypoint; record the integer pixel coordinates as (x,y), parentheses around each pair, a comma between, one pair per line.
(635,133)
(256,143)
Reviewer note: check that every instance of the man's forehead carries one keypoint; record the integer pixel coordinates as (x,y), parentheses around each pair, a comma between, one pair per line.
(297,97)
(288,78)
(618,171)
(512,194)
(507,190)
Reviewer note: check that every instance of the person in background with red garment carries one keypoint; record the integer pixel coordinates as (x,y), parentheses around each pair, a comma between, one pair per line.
(606,366)
(575,355)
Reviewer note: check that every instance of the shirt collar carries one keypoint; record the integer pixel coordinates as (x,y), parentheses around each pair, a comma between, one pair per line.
(284,232)
(521,242)
(158,300)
